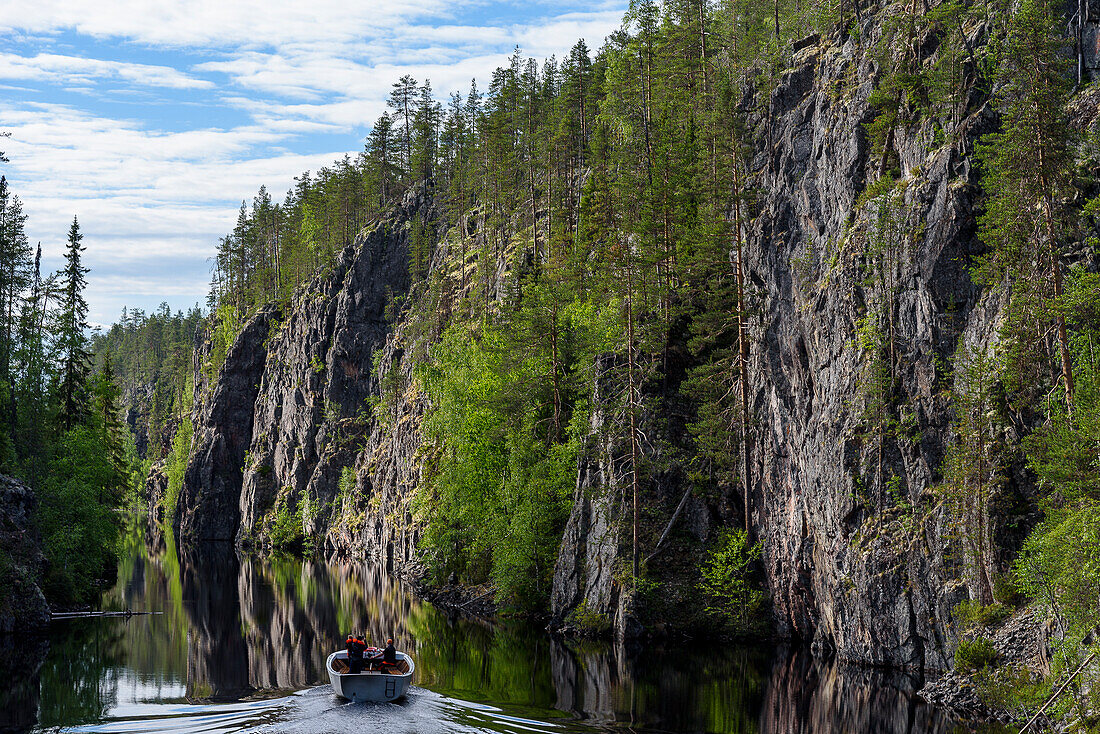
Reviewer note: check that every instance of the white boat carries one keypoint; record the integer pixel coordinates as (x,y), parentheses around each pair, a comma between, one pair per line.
(385,683)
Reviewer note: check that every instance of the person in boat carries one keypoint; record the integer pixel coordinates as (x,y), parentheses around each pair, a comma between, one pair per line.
(389,654)
(356,648)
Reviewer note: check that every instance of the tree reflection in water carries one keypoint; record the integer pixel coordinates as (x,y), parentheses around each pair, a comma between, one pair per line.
(236,626)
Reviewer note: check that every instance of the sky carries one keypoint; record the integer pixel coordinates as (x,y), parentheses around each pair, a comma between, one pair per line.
(151,121)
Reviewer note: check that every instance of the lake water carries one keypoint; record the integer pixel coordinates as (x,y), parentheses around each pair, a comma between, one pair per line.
(241,646)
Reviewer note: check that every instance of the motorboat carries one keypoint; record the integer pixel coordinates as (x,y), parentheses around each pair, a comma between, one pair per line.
(377,681)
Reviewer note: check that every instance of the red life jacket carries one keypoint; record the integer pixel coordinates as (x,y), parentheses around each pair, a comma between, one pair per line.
(355,646)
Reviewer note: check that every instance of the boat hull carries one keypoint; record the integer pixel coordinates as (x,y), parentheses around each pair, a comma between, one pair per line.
(369,685)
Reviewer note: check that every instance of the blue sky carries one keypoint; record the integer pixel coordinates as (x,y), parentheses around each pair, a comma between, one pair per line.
(152,120)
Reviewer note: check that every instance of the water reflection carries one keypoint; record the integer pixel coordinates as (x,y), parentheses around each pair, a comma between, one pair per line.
(20,662)
(237,629)
(807,695)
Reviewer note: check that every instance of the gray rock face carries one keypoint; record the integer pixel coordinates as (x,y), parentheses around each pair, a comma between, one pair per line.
(291,409)
(854,544)
(853,563)
(22,604)
(314,415)
(156,487)
(209,501)
(587,594)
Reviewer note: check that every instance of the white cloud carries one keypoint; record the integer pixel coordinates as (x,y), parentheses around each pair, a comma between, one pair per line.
(76,70)
(218,23)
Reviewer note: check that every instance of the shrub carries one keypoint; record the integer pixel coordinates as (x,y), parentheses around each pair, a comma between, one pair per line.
(974,654)
(970,614)
(589,620)
(76,518)
(1005,590)
(732,597)
(286,527)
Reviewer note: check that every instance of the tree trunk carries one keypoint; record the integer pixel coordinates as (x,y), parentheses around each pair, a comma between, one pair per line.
(632,409)
(743,346)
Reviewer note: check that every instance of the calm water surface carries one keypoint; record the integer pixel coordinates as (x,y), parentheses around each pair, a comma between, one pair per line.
(241,646)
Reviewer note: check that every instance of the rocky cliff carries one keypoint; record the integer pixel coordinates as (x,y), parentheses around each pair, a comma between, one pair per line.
(292,408)
(853,546)
(210,499)
(22,604)
(315,416)
(854,541)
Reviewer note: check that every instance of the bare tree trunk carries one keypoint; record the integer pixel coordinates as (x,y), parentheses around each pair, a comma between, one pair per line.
(1056,276)
(632,409)
(743,345)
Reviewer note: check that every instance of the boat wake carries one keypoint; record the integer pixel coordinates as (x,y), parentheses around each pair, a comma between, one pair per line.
(319,710)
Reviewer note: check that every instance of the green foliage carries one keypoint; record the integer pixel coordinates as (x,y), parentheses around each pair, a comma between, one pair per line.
(176,467)
(732,597)
(502,471)
(76,516)
(588,620)
(72,341)
(151,356)
(1006,591)
(286,533)
(972,467)
(975,654)
(60,425)
(1059,567)
(227,324)
(1027,174)
(970,614)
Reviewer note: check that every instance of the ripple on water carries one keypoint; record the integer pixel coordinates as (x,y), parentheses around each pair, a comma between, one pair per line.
(185,717)
(318,710)
(420,712)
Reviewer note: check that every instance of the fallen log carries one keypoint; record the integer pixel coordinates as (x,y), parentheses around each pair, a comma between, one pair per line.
(94,615)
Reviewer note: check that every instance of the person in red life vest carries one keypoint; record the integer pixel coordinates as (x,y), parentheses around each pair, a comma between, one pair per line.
(356,647)
(389,655)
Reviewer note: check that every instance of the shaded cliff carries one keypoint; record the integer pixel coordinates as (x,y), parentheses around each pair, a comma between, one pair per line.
(22,603)
(209,502)
(855,561)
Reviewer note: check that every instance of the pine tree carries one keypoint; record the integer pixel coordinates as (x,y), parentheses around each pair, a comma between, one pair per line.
(381,154)
(425,142)
(402,101)
(973,464)
(72,342)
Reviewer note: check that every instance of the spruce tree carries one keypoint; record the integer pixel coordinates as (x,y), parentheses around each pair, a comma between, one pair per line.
(15,271)
(72,342)
(107,409)
(1027,169)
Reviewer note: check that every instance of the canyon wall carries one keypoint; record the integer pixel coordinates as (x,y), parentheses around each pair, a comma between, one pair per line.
(315,415)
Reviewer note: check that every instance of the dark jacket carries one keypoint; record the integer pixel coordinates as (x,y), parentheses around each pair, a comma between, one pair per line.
(389,655)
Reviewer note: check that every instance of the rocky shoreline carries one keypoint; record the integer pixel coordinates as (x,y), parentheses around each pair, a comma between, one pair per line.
(1022,645)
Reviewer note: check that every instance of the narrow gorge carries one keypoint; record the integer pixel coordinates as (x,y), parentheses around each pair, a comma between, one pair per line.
(316,413)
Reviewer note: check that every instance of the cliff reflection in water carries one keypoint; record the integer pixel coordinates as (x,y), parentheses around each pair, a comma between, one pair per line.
(237,626)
